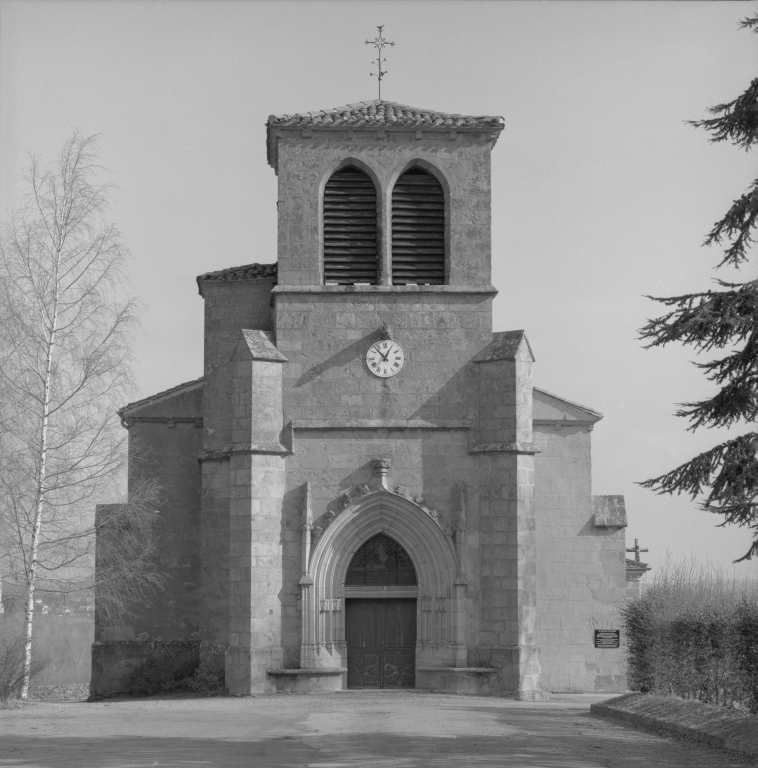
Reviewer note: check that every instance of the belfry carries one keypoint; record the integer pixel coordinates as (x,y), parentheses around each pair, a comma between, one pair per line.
(364,489)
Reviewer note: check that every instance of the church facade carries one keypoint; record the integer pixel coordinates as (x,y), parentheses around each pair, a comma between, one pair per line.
(365,489)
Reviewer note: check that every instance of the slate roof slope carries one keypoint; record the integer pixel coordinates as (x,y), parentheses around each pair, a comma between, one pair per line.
(166,394)
(384,113)
(550,408)
(245,272)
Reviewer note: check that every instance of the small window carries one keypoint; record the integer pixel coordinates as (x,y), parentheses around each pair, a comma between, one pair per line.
(381,560)
(350,233)
(418,229)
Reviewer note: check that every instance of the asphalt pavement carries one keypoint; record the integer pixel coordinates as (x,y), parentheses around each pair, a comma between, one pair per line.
(362,729)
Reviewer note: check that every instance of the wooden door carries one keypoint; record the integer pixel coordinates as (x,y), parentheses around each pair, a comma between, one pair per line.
(381,643)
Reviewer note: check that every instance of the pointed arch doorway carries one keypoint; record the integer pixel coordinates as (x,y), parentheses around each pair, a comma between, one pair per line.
(437,593)
(380,631)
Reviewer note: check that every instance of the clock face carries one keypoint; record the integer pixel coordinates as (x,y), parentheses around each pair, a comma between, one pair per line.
(385,358)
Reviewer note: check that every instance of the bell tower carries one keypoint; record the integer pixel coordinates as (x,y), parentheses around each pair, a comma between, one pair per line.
(389,146)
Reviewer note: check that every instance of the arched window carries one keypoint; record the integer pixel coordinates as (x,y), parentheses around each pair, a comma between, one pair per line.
(381,560)
(350,252)
(418,229)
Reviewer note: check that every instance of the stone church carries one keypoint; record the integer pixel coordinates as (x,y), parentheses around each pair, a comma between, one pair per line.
(364,489)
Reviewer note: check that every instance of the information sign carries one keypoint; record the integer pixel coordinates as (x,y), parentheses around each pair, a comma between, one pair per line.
(607,638)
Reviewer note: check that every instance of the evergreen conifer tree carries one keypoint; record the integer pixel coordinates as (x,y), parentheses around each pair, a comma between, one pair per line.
(725,478)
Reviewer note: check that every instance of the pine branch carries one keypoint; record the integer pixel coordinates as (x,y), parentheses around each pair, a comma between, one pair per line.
(730,471)
(706,320)
(737,400)
(742,364)
(736,227)
(737,120)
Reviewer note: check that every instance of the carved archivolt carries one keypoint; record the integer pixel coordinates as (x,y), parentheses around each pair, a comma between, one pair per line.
(441,618)
(353,495)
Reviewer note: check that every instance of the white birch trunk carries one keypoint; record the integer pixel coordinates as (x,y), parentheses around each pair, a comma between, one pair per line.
(40,500)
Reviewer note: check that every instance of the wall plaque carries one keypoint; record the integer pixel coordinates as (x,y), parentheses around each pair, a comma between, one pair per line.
(607,638)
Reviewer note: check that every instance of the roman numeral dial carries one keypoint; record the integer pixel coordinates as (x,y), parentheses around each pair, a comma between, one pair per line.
(385,358)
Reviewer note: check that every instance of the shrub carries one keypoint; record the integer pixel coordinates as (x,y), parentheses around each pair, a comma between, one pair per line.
(163,672)
(171,669)
(12,657)
(694,633)
(207,678)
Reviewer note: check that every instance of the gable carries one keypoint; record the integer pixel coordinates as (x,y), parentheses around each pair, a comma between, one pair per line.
(551,409)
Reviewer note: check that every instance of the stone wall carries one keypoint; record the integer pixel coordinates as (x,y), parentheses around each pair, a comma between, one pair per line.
(580,568)
(168,454)
(325,336)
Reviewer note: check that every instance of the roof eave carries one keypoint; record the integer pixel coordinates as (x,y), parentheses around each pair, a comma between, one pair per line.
(272,154)
(594,415)
(186,386)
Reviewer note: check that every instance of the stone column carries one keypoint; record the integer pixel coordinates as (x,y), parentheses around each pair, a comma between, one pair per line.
(461,579)
(507,515)
(257,482)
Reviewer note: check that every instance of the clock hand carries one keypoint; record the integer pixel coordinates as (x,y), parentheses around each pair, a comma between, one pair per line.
(384,357)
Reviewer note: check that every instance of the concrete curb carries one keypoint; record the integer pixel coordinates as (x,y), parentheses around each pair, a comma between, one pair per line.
(693,719)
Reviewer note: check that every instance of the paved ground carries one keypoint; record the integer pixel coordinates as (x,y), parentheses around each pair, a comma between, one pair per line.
(343,730)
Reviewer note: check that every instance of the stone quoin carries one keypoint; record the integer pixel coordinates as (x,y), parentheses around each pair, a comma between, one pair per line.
(286,460)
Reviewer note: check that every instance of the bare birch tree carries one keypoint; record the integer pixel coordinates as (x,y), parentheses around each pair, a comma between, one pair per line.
(64,370)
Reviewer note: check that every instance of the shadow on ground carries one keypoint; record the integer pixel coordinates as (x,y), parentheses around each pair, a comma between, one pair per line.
(356,751)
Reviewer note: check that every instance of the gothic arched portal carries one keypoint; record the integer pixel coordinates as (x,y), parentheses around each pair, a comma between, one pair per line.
(440,630)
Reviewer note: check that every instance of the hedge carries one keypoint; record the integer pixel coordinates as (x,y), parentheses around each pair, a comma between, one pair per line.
(695,638)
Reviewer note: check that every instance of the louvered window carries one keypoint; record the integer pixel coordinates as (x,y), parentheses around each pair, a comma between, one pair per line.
(350,253)
(418,229)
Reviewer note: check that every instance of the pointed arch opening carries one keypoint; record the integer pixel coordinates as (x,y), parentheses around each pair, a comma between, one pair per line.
(350,228)
(381,561)
(418,229)
(441,617)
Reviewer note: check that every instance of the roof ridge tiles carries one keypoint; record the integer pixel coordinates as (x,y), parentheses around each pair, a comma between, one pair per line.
(384,112)
(244,272)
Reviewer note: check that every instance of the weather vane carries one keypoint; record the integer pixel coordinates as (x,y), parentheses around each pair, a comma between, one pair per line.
(380,42)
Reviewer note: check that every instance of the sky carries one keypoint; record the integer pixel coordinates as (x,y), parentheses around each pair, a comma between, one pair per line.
(602,194)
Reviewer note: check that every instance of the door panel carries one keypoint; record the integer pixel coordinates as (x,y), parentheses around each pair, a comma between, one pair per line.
(363,634)
(381,643)
(399,641)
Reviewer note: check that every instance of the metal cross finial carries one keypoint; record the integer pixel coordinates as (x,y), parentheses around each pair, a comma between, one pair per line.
(379,43)
(636,549)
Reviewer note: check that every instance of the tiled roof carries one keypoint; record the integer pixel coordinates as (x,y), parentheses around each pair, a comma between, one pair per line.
(245,272)
(386,113)
(378,114)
